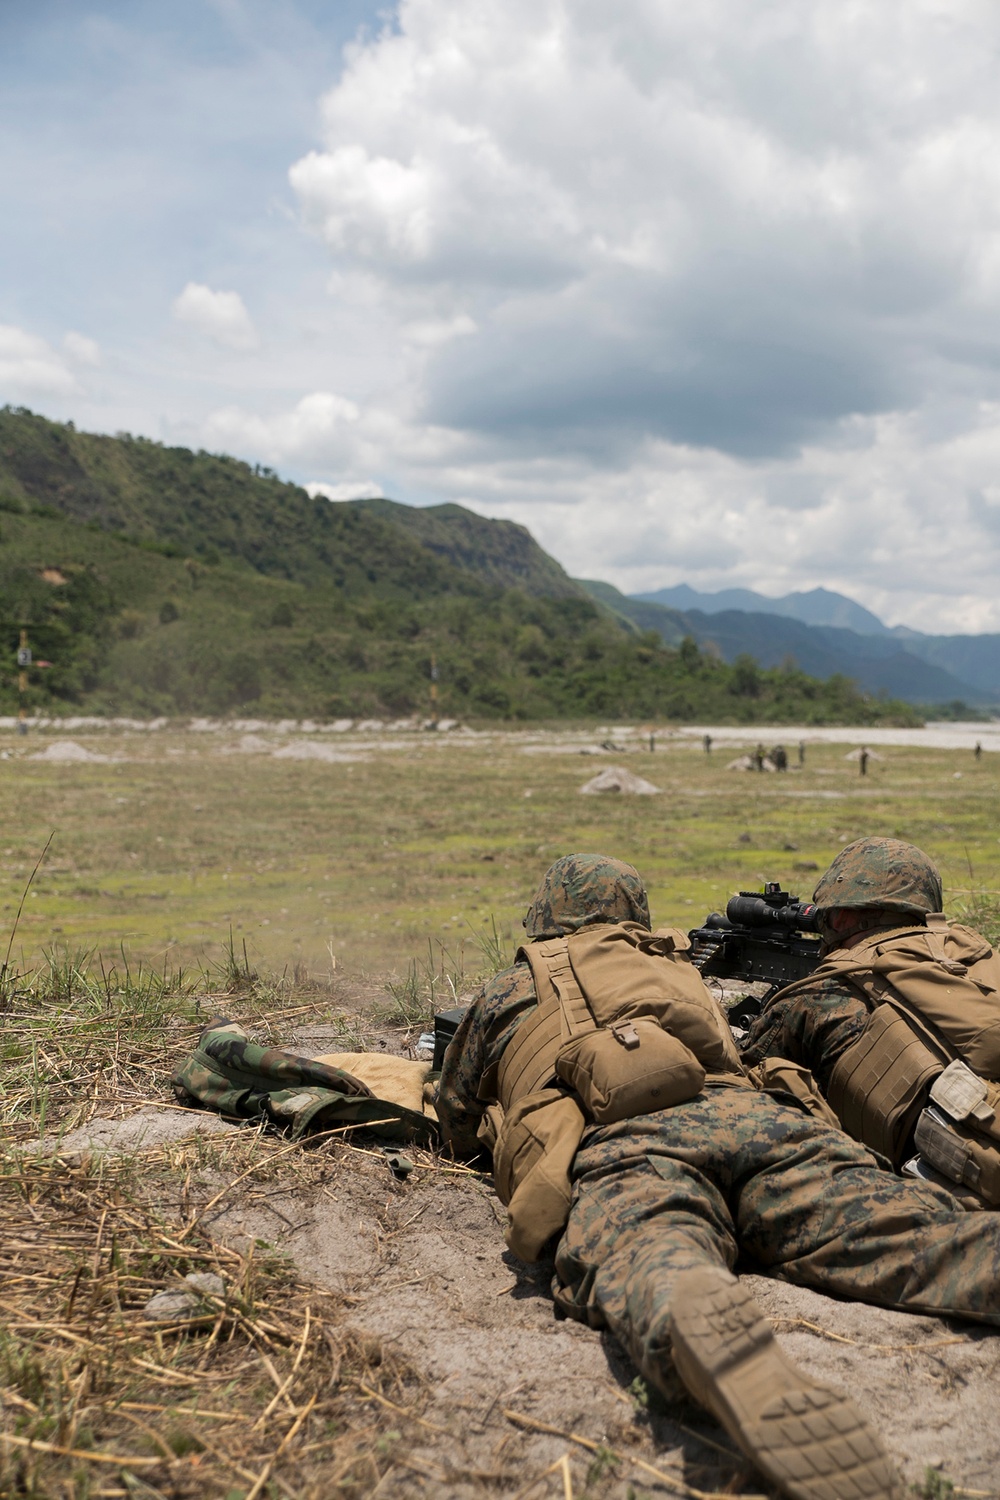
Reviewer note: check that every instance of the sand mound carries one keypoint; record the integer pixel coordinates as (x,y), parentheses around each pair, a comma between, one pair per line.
(312,750)
(748,763)
(67,750)
(617,779)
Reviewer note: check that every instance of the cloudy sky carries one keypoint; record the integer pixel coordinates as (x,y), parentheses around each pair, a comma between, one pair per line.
(704,293)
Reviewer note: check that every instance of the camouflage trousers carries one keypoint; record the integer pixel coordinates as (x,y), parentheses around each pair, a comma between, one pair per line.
(734,1173)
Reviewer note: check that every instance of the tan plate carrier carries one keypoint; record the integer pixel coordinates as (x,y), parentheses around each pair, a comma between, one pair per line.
(933,1033)
(624,1025)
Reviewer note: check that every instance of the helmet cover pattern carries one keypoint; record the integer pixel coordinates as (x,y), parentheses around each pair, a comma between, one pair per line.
(881,872)
(582,889)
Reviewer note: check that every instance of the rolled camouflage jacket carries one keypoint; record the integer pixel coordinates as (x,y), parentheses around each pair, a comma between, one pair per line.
(230,1073)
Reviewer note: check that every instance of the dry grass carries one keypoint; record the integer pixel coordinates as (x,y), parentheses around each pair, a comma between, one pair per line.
(267,1393)
(81,1036)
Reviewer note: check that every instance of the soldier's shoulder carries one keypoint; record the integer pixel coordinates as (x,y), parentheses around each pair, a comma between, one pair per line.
(513,983)
(818,991)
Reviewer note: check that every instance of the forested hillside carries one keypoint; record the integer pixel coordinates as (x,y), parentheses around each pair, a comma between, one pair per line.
(158,580)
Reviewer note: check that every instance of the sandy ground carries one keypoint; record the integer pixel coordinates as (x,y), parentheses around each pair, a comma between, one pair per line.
(421,1263)
(308,739)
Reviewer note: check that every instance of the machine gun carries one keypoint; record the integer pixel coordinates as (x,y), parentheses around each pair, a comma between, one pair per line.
(770,938)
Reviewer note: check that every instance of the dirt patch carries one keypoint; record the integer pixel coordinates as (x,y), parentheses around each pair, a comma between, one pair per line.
(314,750)
(248,744)
(155,1125)
(424,1266)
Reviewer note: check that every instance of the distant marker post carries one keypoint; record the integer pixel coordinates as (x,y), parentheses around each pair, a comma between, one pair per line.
(23,662)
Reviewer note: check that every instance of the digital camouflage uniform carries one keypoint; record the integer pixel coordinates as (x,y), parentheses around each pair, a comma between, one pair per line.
(681,1194)
(814,1026)
(815,1023)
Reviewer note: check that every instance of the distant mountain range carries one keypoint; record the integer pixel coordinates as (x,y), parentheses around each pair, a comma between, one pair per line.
(825,632)
(816,607)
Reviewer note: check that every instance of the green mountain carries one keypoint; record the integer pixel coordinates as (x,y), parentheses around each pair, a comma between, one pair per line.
(500,553)
(158,580)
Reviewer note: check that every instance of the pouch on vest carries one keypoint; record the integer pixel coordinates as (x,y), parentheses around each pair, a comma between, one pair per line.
(878,1085)
(629,1068)
(959,1155)
(532,1158)
(604,975)
(959,1132)
(612,975)
(623,970)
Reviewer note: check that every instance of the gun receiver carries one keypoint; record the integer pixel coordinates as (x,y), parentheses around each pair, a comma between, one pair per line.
(763,938)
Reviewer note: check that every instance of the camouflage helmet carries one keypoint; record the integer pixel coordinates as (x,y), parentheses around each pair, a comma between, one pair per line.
(883,873)
(582,889)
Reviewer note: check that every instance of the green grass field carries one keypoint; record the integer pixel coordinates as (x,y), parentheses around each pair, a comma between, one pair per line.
(168,849)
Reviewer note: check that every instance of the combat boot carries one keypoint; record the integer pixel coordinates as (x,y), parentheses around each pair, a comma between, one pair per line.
(808,1440)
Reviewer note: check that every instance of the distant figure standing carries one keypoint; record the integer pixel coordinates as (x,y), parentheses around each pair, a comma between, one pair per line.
(652,742)
(707,742)
(863,761)
(978,752)
(758,758)
(802,752)
(779,758)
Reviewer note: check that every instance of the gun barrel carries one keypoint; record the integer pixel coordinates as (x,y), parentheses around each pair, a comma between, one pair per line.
(746,910)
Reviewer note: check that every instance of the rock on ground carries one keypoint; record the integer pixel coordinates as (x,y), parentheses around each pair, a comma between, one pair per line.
(618,779)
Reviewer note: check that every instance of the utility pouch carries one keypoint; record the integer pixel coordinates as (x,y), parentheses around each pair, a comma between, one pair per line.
(877,1086)
(968,1100)
(534,1152)
(959,1155)
(631,1067)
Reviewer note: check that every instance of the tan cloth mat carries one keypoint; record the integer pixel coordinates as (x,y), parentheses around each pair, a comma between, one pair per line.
(397,1080)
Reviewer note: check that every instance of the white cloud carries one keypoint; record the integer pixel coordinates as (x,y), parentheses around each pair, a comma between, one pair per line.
(317,428)
(81,350)
(30,367)
(347,489)
(221,316)
(433,331)
(703,292)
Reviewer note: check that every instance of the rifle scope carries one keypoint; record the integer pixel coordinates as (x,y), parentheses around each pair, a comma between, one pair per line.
(775,908)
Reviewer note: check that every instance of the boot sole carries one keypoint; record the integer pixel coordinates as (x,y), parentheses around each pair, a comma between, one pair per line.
(809,1440)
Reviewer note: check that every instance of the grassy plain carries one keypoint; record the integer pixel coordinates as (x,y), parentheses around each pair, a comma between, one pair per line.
(181,838)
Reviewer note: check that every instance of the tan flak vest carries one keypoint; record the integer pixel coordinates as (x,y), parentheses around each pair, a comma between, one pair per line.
(625,1021)
(933,1035)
